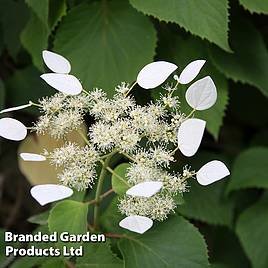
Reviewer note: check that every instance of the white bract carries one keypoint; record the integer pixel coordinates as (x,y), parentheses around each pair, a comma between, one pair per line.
(56,62)
(202,94)
(32,157)
(12,129)
(47,193)
(212,171)
(145,189)
(154,74)
(190,72)
(137,224)
(65,83)
(16,108)
(190,134)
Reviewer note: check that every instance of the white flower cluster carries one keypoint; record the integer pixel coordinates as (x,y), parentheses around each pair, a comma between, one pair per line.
(79,165)
(147,135)
(62,114)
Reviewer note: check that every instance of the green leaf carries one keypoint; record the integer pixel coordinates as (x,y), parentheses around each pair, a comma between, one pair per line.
(41,23)
(256,6)
(57,9)
(207,204)
(249,62)
(204,18)
(99,255)
(111,217)
(252,229)
(183,51)
(113,43)
(37,26)
(41,218)
(40,8)
(58,263)
(68,216)
(173,243)
(119,183)
(250,170)
(2,94)
(224,240)
(14,15)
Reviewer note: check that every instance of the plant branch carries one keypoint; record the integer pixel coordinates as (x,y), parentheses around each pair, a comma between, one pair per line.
(115,235)
(99,189)
(91,202)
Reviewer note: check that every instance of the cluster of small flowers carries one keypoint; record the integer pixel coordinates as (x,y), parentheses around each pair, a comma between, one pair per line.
(121,123)
(62,114)
(148,166)
(78,162)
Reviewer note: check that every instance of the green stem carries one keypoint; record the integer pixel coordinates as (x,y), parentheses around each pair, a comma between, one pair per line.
(133,85)
(99,190)
(118,176)
(83,136)
(35,104)
(86,92)
(190,114)
(91,202)
(128,156)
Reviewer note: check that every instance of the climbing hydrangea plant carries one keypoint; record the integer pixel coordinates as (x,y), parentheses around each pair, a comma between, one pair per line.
(148,136)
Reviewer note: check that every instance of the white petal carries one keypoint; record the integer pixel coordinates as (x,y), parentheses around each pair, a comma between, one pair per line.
(202,94)
(154,74)
(138,224)
(190,134)
(211,172)
(191,71)
(56,62)
(145,189)
(65,83)
(32,157)
(16,108)
(12,129)
(47,193)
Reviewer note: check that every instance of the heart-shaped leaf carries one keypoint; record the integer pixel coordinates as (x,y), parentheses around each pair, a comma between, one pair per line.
(145,189)
(190,72)
(12,129)
(190,134)
(65,83)
(56,62)
(202,94)
(212,171)
(48,193)
(154,74)
(32,157)
(137,224)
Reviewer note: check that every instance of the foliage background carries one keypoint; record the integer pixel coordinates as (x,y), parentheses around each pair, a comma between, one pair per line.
(108,42)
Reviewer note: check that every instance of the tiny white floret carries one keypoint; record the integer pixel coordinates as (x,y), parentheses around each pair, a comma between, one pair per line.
(65,83)
(191,71)
(137,224)
(202,94)
(56,62)
(32,157)
(154,74)
(12,129)
(47,193)
(145,189)
(212,171)
(16,108)
(190,135)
